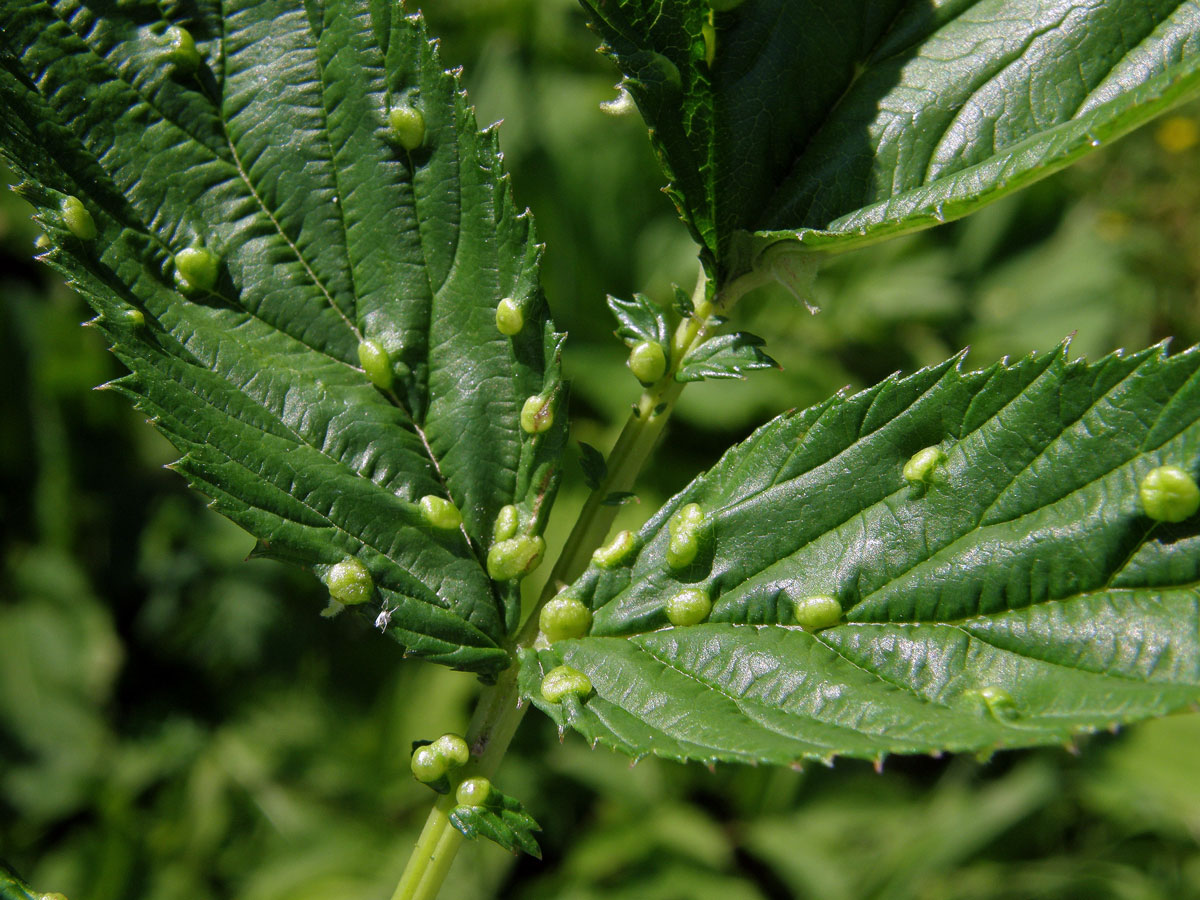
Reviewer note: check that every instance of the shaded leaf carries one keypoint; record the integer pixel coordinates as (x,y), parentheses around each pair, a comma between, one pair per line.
(595,469)
(1019,597)
(839,123)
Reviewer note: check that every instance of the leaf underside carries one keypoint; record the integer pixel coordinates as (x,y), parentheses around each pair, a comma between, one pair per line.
(1026,565)
(275,155)
(841,122)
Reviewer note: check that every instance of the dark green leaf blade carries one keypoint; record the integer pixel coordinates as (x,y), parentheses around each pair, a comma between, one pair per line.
(841,123)
(725,356)
(275,155)
(639,319)
(502,820)
(1024,566)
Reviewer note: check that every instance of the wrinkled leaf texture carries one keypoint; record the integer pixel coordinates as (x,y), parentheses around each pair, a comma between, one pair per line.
(1026,565)
(275,155)
(841,122)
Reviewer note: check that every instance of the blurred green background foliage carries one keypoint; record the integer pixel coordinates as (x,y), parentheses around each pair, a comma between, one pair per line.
(178,722)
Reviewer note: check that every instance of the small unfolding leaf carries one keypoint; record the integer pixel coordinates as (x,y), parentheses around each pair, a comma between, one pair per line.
(1022,596)
(501,819)
(639,320)
(725,356)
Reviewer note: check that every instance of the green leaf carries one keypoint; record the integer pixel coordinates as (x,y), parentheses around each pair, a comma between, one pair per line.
(725,356)
(1018,597)
(271,157)
(595,468)
(503,820)
(639,319)
(13,888)
(837,124)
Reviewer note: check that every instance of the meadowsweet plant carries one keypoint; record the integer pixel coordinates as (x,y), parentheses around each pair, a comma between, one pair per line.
(307,255)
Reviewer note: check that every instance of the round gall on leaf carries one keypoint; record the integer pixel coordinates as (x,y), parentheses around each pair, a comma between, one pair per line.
(1169,494)
(564,681)
(515,557)
(995,700)
(648,362)
(183,52)
(815,613)
(134,317)
(77,219)
(440,512)
(690,607)
(407,126)
(349,582)
(196,269)
(615,551)
(376,364)
(537,415)
(684,530)
(919,469)
(453,749)
(564,617)
(507,522)
(473,791)
(427,764)
(509,318)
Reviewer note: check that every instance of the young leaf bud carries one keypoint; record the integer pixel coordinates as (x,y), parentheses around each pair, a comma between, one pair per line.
(1169,494)
(509,317)
(196,269)
(564,680)
(537,415)
(648,362)
(183,52)
(615,551)
(349,582)
(453,749)
(427,764)
(564,617)
(919,469)
(689,607)
(473,791)
(407,126)
(815,613)
(515,557)
(439,512)
(507,523)
(77,219)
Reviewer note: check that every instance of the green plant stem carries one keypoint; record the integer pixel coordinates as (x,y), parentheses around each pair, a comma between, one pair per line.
(499,710)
